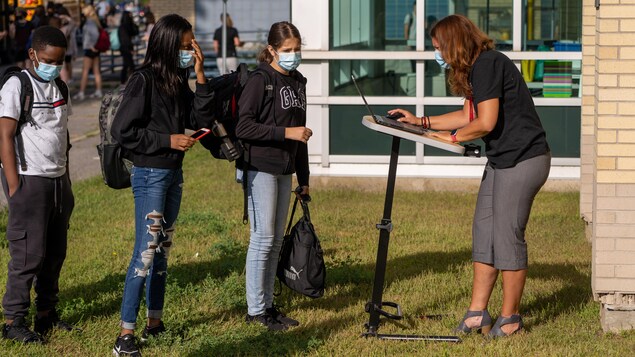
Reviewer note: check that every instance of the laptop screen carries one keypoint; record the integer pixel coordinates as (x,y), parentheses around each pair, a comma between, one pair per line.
(359,90)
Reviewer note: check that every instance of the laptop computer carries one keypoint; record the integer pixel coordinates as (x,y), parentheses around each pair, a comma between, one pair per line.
(382,120)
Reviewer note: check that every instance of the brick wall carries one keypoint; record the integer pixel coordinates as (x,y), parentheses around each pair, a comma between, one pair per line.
(608,137)
(184,8)
(589,112)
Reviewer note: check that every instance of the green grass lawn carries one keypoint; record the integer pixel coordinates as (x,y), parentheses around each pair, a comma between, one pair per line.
(429,273)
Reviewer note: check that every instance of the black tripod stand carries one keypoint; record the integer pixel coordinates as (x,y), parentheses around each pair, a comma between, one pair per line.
(376,305)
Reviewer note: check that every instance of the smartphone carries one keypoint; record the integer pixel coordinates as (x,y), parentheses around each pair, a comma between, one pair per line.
(200,133)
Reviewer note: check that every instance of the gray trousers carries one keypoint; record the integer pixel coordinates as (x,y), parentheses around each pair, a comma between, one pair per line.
(502,211)
(39,212)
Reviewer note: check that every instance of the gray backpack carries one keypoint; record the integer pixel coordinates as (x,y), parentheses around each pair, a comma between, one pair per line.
(115,166)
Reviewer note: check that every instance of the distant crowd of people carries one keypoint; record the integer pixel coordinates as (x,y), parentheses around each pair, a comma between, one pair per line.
(81,37)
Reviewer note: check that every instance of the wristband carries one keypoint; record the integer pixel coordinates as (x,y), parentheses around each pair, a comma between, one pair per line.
(453,135)
(428,125)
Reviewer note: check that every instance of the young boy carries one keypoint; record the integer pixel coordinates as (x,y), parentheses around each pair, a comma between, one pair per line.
(38,189)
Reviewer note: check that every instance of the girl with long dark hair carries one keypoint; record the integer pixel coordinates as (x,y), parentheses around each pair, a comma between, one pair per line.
(499,109)
(156,108)
(275,134)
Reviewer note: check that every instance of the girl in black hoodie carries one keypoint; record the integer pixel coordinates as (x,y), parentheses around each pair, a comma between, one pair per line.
(156,108)
(274,132)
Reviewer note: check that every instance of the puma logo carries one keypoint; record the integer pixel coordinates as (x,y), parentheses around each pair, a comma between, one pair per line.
(293,274)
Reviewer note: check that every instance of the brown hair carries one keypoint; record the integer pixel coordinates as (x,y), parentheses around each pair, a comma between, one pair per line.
(460,43)
(279,32)
(230,23)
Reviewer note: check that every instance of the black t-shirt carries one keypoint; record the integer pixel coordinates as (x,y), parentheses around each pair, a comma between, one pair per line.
(231,34)
(518,134)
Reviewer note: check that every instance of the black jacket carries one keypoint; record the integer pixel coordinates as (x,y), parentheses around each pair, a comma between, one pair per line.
(145,132)
(262,123)
(126,33)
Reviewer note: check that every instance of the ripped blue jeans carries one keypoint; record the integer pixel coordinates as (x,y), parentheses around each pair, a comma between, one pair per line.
(157,195)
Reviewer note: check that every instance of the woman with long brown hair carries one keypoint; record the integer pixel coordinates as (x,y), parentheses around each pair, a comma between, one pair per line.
(499,109)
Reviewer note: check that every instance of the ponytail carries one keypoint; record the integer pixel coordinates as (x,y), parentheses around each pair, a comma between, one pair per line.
(265,56)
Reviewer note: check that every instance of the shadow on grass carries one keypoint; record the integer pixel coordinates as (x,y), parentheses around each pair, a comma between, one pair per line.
(352,282)
(265,343)
(576,292)
(359,276)
(185,274)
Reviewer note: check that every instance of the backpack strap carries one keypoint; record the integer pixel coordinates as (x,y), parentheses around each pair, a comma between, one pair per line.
(268,98)
(64,90)
(26,100)
(295,205)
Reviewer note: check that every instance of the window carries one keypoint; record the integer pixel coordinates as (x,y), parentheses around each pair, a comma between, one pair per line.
(349,137)
(376,78)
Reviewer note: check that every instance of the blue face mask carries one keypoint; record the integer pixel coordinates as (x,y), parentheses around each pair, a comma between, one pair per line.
(47,72)
(289,61)
(440,60)
(186,59)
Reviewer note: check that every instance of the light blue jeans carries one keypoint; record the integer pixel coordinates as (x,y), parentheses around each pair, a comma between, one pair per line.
(157,196)
(268,202)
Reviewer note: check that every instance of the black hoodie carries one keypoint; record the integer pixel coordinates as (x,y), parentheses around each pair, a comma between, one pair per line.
(262,123)
(145,132)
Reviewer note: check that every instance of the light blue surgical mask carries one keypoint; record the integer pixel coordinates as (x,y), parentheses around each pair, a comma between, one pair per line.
(47,72)
(186,59)
(440,60)
(289,61)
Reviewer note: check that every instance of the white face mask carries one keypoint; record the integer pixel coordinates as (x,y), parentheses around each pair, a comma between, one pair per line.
(439,58)
(186,59)
(289,61)
(47,72)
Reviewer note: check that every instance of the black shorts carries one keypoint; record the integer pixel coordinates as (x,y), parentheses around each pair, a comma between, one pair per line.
(68,59)
(91,54)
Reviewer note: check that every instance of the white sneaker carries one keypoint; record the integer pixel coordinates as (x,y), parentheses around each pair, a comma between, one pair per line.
(79,96)
(97,94)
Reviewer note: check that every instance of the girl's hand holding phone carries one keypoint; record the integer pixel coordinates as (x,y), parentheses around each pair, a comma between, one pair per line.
(181,142)
(200,133)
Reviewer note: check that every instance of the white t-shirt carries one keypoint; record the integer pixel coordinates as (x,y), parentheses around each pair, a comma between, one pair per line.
(45,138)
(411,21)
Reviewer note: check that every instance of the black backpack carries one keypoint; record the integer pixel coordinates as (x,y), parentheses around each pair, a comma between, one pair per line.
(301,263)
(227,90)
(26,99)
(115,167)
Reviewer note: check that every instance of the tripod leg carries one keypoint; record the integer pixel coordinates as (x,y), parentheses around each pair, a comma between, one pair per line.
(385,228)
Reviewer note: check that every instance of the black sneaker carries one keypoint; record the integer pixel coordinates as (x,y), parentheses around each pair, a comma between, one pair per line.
(266,320)
(19,331)
(281,318)
(152,331)
(44,325)
(126,345)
